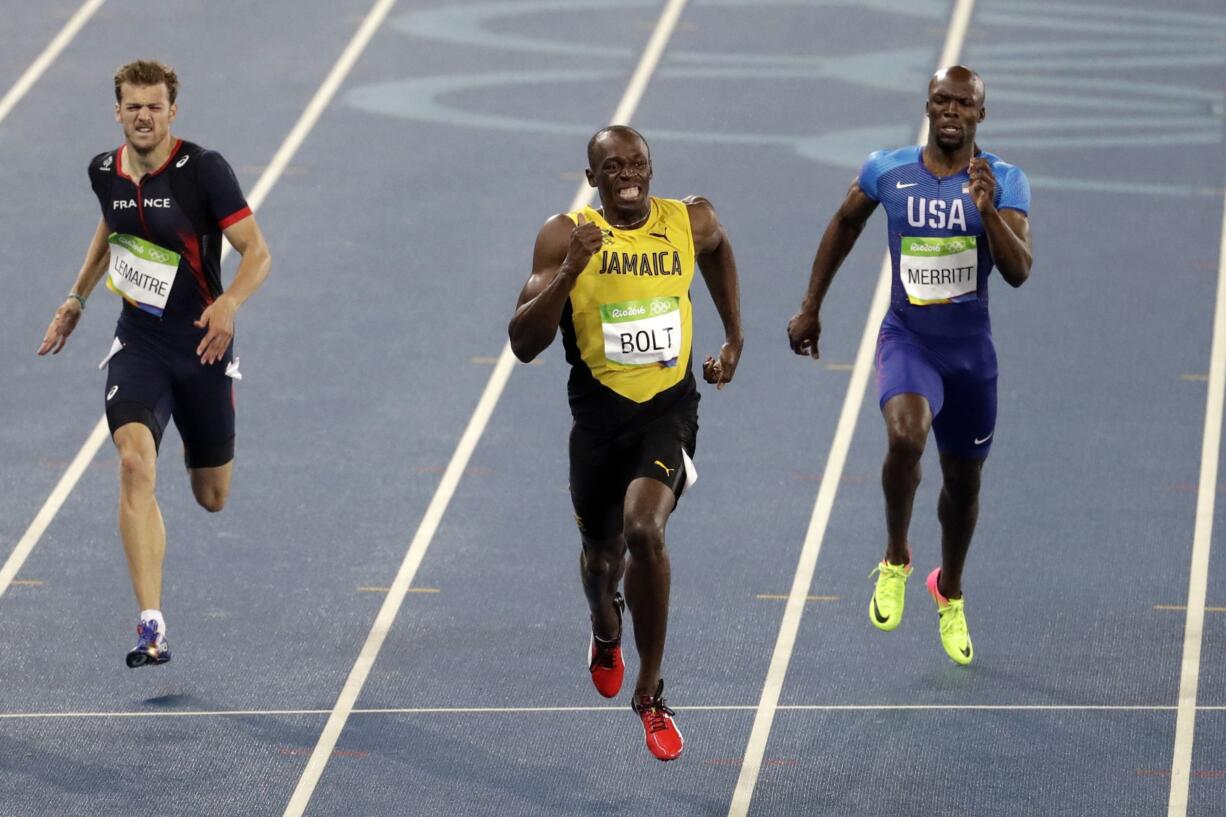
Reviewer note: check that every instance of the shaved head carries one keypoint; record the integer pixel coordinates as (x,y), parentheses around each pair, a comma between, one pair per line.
(960,73)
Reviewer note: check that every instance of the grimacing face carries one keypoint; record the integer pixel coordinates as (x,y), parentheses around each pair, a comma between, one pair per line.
(954,109)
(145,112)
(623,173)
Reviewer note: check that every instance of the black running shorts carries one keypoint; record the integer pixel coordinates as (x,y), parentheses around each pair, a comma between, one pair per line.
(602,466)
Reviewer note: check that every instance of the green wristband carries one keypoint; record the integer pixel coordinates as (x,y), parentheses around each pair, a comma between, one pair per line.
(78,299)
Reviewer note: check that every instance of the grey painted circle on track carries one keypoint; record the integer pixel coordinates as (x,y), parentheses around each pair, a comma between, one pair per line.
(1053,74)
(467,24)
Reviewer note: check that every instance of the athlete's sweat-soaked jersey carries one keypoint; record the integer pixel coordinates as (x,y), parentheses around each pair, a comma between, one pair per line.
(627,327)
(938,249)
(166,232)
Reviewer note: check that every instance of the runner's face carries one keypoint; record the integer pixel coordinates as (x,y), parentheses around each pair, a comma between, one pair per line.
(623,173)
(954,110)
(145,112)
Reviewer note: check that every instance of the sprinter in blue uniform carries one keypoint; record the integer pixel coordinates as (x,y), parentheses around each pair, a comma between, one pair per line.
(166,204)
(954,213)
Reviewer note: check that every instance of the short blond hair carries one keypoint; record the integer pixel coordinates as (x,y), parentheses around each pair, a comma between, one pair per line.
(145,73)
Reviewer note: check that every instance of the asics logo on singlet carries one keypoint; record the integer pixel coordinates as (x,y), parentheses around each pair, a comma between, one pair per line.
(183,161)
(111,393)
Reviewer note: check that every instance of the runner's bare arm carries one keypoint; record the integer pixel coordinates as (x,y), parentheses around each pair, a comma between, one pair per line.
(562,250)
(1008,230)
(713,251)
(218,317)
(840,236)
(97,258)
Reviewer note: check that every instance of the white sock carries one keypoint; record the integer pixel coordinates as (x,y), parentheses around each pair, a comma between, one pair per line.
(154,615)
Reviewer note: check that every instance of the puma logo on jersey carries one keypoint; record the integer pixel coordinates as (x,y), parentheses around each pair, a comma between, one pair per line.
(668,472)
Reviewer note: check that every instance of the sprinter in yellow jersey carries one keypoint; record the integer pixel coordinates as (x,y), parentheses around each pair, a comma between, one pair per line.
(616,281)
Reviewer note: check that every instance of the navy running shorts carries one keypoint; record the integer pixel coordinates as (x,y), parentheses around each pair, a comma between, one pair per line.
(155,377)
(957,375)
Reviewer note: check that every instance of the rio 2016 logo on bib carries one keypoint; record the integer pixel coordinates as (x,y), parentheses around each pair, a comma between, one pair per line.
(939,270)
(141,272)
(642,333)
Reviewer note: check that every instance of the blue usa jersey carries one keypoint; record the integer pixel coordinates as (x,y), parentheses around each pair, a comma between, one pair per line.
(938,248)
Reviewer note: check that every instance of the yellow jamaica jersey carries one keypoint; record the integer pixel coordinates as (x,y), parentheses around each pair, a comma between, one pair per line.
(627,328)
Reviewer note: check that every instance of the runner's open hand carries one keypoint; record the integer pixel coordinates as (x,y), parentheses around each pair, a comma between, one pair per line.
(218,319)
(803,331)
(983,184)
(585,240)
(720,371)
(61,327)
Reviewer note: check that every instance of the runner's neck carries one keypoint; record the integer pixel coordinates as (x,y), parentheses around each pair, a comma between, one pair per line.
(940,163)
(137,165)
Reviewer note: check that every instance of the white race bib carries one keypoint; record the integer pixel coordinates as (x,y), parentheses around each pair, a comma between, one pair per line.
(642,333)
(939,270)
(141,272)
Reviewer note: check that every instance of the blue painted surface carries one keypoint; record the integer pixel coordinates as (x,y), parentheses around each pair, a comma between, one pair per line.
(402,233)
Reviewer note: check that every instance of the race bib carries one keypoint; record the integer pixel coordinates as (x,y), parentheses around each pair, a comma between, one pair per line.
(141,272)
(642,333)
(939,270)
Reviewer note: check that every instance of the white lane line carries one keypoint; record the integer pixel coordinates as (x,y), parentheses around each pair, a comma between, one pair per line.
(455,468)
(528,710)
(12,565)
(96,437)
(1198,580)
(40,65)
(785,642)
(271,175)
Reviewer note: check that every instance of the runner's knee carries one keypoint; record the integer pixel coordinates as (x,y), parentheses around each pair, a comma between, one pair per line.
(211,498)
(644,538)
(906,442)
(601,558)
(962,488)
(136,471)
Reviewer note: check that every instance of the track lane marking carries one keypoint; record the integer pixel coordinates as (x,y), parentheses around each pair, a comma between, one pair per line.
(455,468)
(1202,537)
(772,687)
(73,473)
(263,186)
(514,710)
(49,55)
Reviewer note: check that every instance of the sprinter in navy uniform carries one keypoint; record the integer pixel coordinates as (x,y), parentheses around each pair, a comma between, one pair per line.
(166,204)
(955,212)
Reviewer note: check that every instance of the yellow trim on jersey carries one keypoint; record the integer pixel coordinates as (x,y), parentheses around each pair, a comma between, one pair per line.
(631,304)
